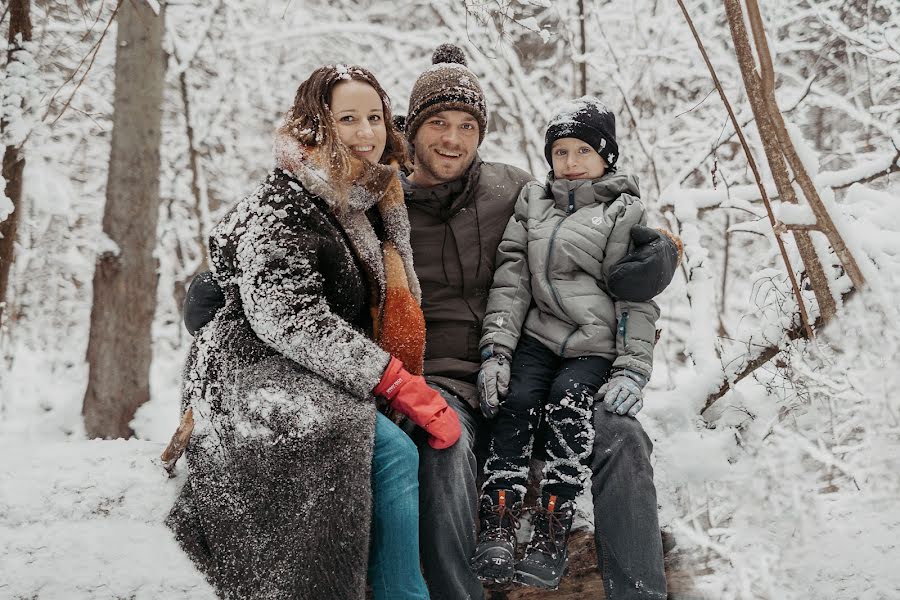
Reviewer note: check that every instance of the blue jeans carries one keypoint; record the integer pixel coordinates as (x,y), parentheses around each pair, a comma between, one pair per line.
(394,556)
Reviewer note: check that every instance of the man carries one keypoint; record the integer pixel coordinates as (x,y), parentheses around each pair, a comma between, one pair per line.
(458,208)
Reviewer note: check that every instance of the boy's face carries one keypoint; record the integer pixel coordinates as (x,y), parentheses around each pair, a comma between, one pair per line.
(575,159)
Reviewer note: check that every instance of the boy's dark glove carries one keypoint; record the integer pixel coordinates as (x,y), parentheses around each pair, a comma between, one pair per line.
(648,268)
(204,298)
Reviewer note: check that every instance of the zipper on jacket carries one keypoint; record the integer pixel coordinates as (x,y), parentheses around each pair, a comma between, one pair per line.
(571,208)
(565,344)
(623,327)
(547,270)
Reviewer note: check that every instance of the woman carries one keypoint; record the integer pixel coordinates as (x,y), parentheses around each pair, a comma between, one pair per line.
(321,313)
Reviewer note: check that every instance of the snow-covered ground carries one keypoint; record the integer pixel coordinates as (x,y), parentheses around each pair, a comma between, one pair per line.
(84,519)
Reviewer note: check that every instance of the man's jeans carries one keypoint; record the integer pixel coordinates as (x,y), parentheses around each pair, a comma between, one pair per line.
(394,556)
(629,547)
(626,522)
(447,508)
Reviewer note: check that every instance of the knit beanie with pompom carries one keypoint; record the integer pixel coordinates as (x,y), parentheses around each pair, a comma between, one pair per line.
(447,85)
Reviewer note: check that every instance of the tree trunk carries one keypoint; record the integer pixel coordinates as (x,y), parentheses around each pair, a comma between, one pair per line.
(13,162)
(120,347)
(823,217)
(766,126)
(582,65)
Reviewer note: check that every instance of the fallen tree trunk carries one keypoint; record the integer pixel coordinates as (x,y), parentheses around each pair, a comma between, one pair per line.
(583,579)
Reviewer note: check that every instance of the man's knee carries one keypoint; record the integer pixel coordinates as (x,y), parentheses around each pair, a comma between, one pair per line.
(619,435)
(449,463)
(453,467)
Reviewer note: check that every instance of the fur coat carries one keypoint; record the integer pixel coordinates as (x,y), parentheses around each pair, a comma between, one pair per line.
(278,498)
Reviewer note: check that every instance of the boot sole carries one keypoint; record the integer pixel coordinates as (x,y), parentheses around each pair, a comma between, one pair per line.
(495,565)
(532,580)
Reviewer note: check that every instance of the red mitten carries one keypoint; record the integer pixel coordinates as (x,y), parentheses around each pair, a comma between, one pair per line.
(410,395)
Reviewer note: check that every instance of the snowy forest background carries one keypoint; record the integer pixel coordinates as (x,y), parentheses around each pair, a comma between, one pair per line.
(783,484)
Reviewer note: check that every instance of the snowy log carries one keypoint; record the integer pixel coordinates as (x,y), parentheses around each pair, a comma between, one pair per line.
(583,579)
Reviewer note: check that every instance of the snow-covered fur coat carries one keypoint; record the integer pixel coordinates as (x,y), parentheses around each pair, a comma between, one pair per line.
(278,498)
(552,267)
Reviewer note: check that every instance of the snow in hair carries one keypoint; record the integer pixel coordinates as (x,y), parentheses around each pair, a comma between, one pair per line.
(344,71)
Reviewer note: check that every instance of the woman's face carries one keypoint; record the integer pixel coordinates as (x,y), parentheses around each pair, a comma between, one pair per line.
(359,115)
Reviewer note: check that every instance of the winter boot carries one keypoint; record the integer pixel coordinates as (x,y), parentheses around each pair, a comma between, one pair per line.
(494,558)
(547,554)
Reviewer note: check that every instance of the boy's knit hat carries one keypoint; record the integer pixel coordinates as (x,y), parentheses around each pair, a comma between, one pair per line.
(587,119)
(447,85)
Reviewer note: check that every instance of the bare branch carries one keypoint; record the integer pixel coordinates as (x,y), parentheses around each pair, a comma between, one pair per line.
(93,56)
(752,162)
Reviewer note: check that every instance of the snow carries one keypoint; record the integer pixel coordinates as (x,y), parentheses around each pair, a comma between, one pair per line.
(530,23)
(20,88)
(794,214)
(567,111)
(85,520)
(785,488)
(6,205)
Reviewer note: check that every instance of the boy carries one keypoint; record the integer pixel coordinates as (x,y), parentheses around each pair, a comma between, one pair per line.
(551,301)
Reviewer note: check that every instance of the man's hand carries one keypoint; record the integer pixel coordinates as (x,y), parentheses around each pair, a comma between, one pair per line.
(204,298)
(648,268)
(493,379)
(623,393)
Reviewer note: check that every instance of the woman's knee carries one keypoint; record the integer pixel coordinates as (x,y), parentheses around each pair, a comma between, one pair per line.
(394,449)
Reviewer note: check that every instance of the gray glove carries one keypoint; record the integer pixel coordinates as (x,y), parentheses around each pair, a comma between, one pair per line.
(493,379)
(623,393)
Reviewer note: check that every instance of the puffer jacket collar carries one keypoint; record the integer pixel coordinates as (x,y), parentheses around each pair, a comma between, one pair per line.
(571,195)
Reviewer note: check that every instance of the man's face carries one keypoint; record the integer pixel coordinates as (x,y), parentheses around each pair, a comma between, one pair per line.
(445,146)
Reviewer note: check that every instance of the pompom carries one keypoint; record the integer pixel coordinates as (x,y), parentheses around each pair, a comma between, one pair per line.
(448,53)
(400,122)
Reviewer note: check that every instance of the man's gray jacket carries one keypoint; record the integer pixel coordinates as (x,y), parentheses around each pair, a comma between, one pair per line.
(552,265)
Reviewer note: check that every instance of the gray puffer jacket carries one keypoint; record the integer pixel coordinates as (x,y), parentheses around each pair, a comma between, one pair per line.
(552,266)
